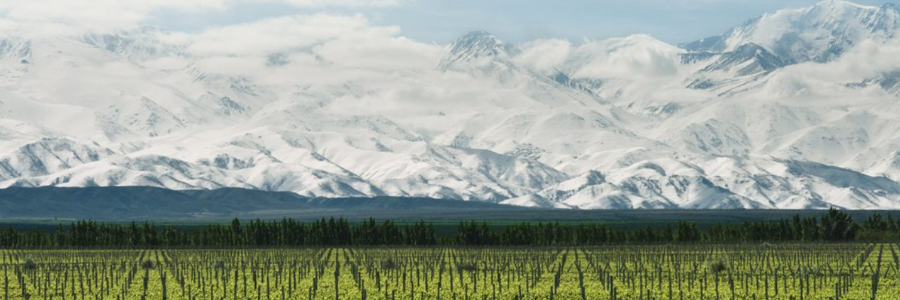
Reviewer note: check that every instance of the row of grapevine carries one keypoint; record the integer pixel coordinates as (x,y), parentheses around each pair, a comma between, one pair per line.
(780,271)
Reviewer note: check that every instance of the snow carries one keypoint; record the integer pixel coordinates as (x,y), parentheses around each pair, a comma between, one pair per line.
(737,121)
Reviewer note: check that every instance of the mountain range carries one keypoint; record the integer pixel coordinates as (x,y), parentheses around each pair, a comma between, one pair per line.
(797,109)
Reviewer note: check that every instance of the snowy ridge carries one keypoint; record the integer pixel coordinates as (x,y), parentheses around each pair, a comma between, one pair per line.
(819,33)
(809,119)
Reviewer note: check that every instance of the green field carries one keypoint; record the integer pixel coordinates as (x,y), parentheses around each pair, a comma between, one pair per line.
(757,271)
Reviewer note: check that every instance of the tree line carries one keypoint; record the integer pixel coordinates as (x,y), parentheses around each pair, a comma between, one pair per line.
(832,226)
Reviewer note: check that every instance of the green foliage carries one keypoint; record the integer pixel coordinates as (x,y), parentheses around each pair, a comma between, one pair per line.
(832,226)
(29,264)
(389,263)
(147,264)
(717,265)
(685,271)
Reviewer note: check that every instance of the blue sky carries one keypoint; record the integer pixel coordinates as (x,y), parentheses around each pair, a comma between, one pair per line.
(673,21)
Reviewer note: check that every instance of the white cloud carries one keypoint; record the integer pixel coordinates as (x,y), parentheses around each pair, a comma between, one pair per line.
(7,25)
(633,57)
(283,34)
(53,16)
(867,60)
(97,14)
(346,3)
(311,49)
(325,41)
(379,52)
(545,55)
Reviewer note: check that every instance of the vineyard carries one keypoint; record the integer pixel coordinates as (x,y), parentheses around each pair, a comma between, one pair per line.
(763,271)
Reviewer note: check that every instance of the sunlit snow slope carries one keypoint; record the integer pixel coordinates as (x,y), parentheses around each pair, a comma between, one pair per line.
(795,109)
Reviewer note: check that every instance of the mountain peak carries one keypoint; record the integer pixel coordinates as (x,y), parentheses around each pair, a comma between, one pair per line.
(477,34)
(475,46)
(478,37)
(819,33)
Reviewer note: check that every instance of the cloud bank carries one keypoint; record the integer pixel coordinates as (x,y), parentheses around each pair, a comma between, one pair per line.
(50,16)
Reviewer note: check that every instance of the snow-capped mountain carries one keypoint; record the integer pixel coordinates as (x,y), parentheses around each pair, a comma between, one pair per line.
(795,109)
(738,70)
(820,33)
(476,48)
